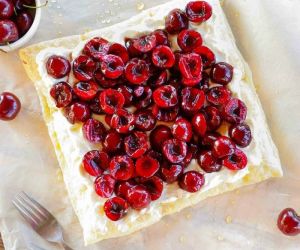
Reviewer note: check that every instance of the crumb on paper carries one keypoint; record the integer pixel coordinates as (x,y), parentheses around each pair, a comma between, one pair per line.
(140,6)
(151,13)
(182,239)
(220,238)
(59,175)
(228,219)
(237,191)
(188,216)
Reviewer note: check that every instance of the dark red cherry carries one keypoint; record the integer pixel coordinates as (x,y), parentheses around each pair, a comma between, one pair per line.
(6,9)
(137,71)
(142,97)
(161,37)
(223,146)
(204,82)
(84,68)
(96,48)
(103,81)
(209,139)
(218,95)
(198,11)
(190,65)
(165,96)
(95,162)
(121,167)
(119,50)
(8,32)
(112,142)
(158,78)
(165,115)
(122,121)
(115,208)
(192,99)
(176,21)
(93,130)
(58,66)
(132,51)
(155,155)
(145,43)
(24,21)
(138,197)
(213,118)
(207,56)
(235,111)
(95,106)
(144,120)
(288,222)
(154,186)
(127,92)
(122,187)
(10,106)
(171,172)
(62,94)
(77,112)
(240,134)
(104,185)
(146,166)
(208,162)
(86,90)
(174,150)
(163,57)
(111,100)
(191,181)
(182,130)
(136,144)
(159,135)
(236,161)
(199,124)
(188,40)
(221,73)
(112,66)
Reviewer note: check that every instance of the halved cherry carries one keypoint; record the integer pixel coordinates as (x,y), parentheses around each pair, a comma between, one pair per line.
(158,78)
(154,186)
(165,96)
(119,50)
(112,142)
(236,161)
(209,139)
(213,118)
(86,90)
(146,166)
(204,82)
(111,100)
(189,40)
(58,66)
(163,57)
(78,111)
(240,134)
(138,197)
(199,124)
(235,111)
(192,99)
(190,65)
(84,68)
(182,130)
(137,71)
(208,162)
(95,106)
(174,150)
(191,181)
(115,208)
(112,66)
(144,120)
(96,48)
(223,146)
(127,92)
(176,21)
(198,11)
(95,162)
(93,130)
(161,37)
(145,43)
(136,144)
(207,56)
(122,187)
(103,81)
(121,167)
(171,172)
(160,134)
(132,51)
(61,92)
(218,95)
(122,121)
(221,73)
(104,185)
(165,115)
(142,97)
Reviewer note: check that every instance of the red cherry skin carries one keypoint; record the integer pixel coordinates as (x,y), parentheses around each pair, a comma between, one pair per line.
(10,106)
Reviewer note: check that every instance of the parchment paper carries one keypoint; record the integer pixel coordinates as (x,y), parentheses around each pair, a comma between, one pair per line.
(268,35)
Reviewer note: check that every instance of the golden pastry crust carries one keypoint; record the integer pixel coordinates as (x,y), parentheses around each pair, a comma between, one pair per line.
(255,174)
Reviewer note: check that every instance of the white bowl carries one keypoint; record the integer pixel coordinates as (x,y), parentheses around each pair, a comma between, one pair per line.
(29,34)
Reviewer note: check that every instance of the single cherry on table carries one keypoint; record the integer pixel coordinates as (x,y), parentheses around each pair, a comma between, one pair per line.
(288,222)
(10,106)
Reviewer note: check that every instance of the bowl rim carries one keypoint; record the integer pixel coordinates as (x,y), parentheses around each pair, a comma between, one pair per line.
(29,34)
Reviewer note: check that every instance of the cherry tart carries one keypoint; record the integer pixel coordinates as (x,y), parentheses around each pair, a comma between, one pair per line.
(158,120)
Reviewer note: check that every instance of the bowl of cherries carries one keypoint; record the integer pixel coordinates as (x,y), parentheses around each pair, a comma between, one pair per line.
(19,20)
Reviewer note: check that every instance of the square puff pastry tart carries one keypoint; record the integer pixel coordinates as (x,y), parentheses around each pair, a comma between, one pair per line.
(70,146)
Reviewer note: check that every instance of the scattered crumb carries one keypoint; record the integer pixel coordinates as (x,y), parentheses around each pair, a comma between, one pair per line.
(228,219)
(59,175)
(220,238)
(182,239)
(151,14)
(237,191)
(140,6)
(188,216)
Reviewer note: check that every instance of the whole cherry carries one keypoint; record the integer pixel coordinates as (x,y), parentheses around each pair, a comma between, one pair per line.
(9,106)
(288,222)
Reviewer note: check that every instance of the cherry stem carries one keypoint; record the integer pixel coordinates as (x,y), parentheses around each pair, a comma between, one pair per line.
(36,7)
(3,51)
(16,13)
